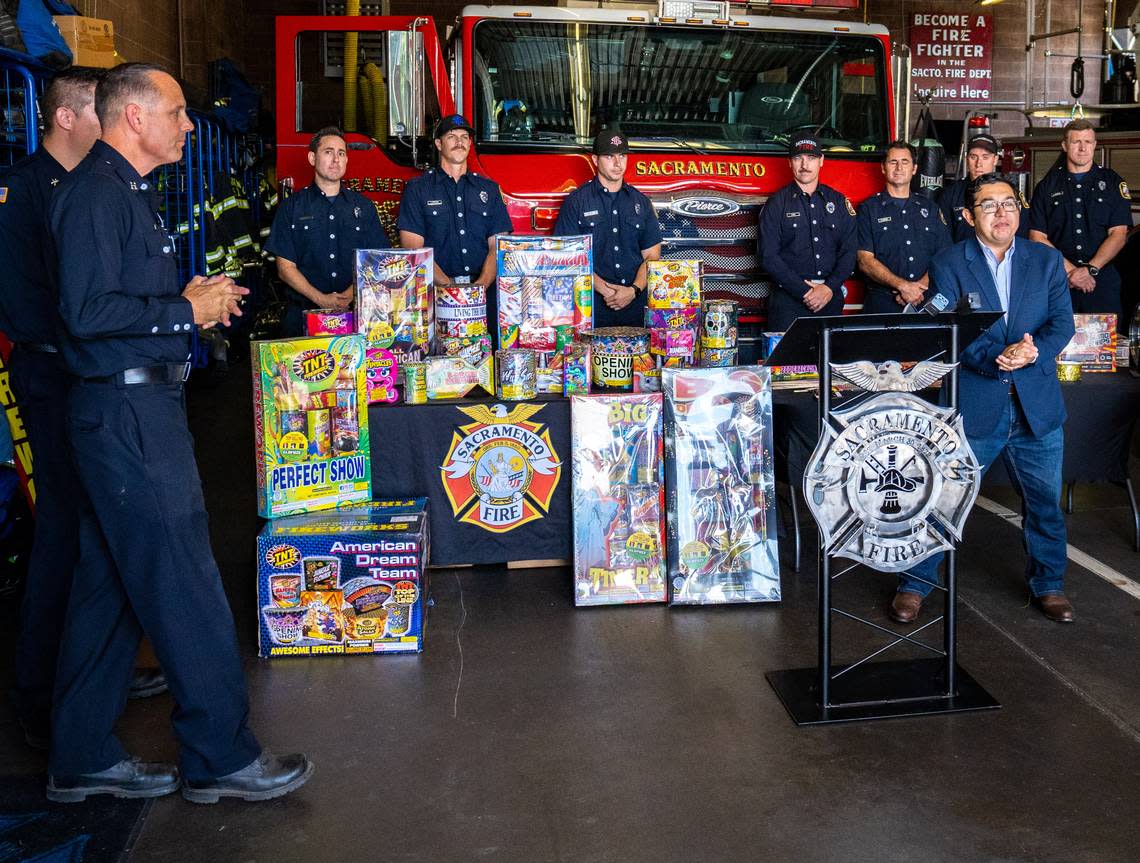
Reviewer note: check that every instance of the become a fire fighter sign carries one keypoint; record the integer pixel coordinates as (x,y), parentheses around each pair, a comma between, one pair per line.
(951,55)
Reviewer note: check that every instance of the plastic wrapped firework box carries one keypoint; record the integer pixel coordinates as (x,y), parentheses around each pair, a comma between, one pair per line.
(349,581)
(310,415)
(546,290)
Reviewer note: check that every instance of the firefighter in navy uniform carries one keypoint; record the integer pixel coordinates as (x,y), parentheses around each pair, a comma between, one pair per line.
(40,383)
(145,561)
(898,233)
(807,241)
(1084,211)
(981,159)
(625,229)
(456,213)
(316,231)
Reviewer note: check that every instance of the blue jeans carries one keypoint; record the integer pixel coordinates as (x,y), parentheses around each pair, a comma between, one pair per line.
(1034,466)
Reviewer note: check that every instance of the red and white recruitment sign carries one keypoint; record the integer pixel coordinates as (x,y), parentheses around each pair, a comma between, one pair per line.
(951,55)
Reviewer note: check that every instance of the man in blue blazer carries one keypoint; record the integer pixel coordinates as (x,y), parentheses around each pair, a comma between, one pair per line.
(1010,398)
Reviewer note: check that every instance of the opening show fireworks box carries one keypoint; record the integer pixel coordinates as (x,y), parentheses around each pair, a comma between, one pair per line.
(618,494)
(546,290)
(311,424)
(722,488)
(347,581)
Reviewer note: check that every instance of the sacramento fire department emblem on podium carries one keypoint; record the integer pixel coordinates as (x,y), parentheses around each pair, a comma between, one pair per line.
(893,477)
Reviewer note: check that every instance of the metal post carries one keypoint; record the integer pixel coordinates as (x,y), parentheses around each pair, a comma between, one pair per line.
(824,560)
(950,614)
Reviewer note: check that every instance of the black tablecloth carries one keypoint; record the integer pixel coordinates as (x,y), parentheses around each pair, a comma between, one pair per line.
(1102,409)
(412,444)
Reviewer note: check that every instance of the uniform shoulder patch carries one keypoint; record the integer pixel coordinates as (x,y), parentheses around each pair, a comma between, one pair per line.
(3,194)
(1124,193)
(850,209)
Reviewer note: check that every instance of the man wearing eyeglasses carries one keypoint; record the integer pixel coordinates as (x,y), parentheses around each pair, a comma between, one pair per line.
(1009,395)
(898,232)
(1085,211)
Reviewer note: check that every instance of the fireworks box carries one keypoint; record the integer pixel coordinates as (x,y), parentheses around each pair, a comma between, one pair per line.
(546,290)
(1093,345)
(617,491)
(349,581)
(310,424)
(673,284)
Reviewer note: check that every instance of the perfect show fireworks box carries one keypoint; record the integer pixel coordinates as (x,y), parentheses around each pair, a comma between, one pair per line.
(347,581)
(311,424)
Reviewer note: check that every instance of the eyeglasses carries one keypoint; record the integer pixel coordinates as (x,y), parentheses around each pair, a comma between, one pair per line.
(991,207)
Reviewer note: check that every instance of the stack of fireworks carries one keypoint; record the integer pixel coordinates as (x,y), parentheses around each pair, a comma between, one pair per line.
(673,313)
(329,322)
(720,474)
(517,370)
(311,424)
(395,312)
(620,360)
(617,491)
(546,291)
(719,326)
(461,322)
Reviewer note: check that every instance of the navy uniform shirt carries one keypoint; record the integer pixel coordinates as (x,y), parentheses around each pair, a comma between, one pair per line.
(455,218)
(902,234)
(119,293)
(808,237)
(321,234)
(952,201)
(622,224)
(1075,213)
(27,256)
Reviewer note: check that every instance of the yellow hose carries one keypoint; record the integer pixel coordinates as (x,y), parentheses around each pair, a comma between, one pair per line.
(351,62)
(379,103)
(366,103)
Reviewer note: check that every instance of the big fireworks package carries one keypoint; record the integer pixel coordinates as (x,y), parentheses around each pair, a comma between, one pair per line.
(349,581)
(1093,345)
(310,424)
(546,291)
(721,510)
(618,495)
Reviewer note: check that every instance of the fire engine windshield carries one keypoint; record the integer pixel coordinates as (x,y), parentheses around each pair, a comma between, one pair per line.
(551,84)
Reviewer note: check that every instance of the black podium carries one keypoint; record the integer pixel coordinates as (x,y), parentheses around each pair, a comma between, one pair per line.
(864,689)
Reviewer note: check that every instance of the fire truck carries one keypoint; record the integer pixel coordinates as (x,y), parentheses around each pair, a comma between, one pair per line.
(708,97)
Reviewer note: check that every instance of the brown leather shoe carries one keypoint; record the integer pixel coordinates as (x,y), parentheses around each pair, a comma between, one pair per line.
(904,607)
(1056,607)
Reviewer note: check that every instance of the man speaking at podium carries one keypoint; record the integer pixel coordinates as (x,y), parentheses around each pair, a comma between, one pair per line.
(1010,398)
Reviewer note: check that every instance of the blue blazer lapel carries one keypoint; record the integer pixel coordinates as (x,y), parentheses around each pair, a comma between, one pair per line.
(980,270)
(1018,283)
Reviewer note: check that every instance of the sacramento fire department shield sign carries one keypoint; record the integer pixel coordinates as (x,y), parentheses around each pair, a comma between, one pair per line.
(891,481)
(501,470)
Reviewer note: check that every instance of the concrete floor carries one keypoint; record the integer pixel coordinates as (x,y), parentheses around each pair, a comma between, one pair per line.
(530,731)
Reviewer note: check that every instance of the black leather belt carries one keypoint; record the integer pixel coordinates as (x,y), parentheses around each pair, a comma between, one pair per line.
(162,373)
(37,347)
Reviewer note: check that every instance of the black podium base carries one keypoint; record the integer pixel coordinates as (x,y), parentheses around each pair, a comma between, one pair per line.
(881,690)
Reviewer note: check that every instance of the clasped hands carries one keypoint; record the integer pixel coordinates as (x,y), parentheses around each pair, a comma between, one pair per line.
(1018,355)
(214,299)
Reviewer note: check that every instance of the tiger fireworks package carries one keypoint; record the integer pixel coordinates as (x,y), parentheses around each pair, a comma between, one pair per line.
(546,290)
(395,303)
(348,581)
(310,424)
(722,511)
(617,492)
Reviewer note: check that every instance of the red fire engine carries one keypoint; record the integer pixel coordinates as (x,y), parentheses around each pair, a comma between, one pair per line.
(707,97)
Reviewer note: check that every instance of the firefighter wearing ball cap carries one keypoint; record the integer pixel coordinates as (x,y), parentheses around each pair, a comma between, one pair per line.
(807,241)
(981,158)
(625,229)
(1085,211)
(456,213)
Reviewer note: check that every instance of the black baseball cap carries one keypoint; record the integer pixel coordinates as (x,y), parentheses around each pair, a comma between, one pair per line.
(805,145)
(610,142)
(450,123)
(983,142)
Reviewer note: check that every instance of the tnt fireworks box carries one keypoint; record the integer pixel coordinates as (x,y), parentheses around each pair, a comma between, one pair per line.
(310,424)
(347,581)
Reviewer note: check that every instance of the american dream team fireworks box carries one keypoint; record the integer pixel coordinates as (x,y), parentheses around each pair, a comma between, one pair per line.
(347,581)
(310,424)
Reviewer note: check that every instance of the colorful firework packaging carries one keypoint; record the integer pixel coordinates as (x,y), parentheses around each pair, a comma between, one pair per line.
(720,320)
(454,377)
(673,332)
(381,374)
(576,369)
(673,284)
(722,515)
(616,353)
(310,423)
(349,581)
(461,321)
(415,383)
(517,373)
(549,372)
(330,322)
(395,306)
(617,493)
(545,285)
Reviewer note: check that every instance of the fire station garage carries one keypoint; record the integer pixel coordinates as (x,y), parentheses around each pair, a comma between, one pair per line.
(691,430)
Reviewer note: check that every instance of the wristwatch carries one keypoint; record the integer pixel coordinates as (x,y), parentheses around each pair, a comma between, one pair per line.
(1093,271)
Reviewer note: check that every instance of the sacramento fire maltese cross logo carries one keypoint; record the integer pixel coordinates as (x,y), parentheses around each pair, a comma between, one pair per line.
(501,470)
(893,476)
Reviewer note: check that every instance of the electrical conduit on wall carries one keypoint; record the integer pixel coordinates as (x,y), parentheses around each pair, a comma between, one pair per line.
(351,61)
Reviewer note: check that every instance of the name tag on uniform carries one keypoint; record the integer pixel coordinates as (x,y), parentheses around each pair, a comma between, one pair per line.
(305,218)
(435,203)
(591,213)
(884,219)
(791,215)
(1057,195)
